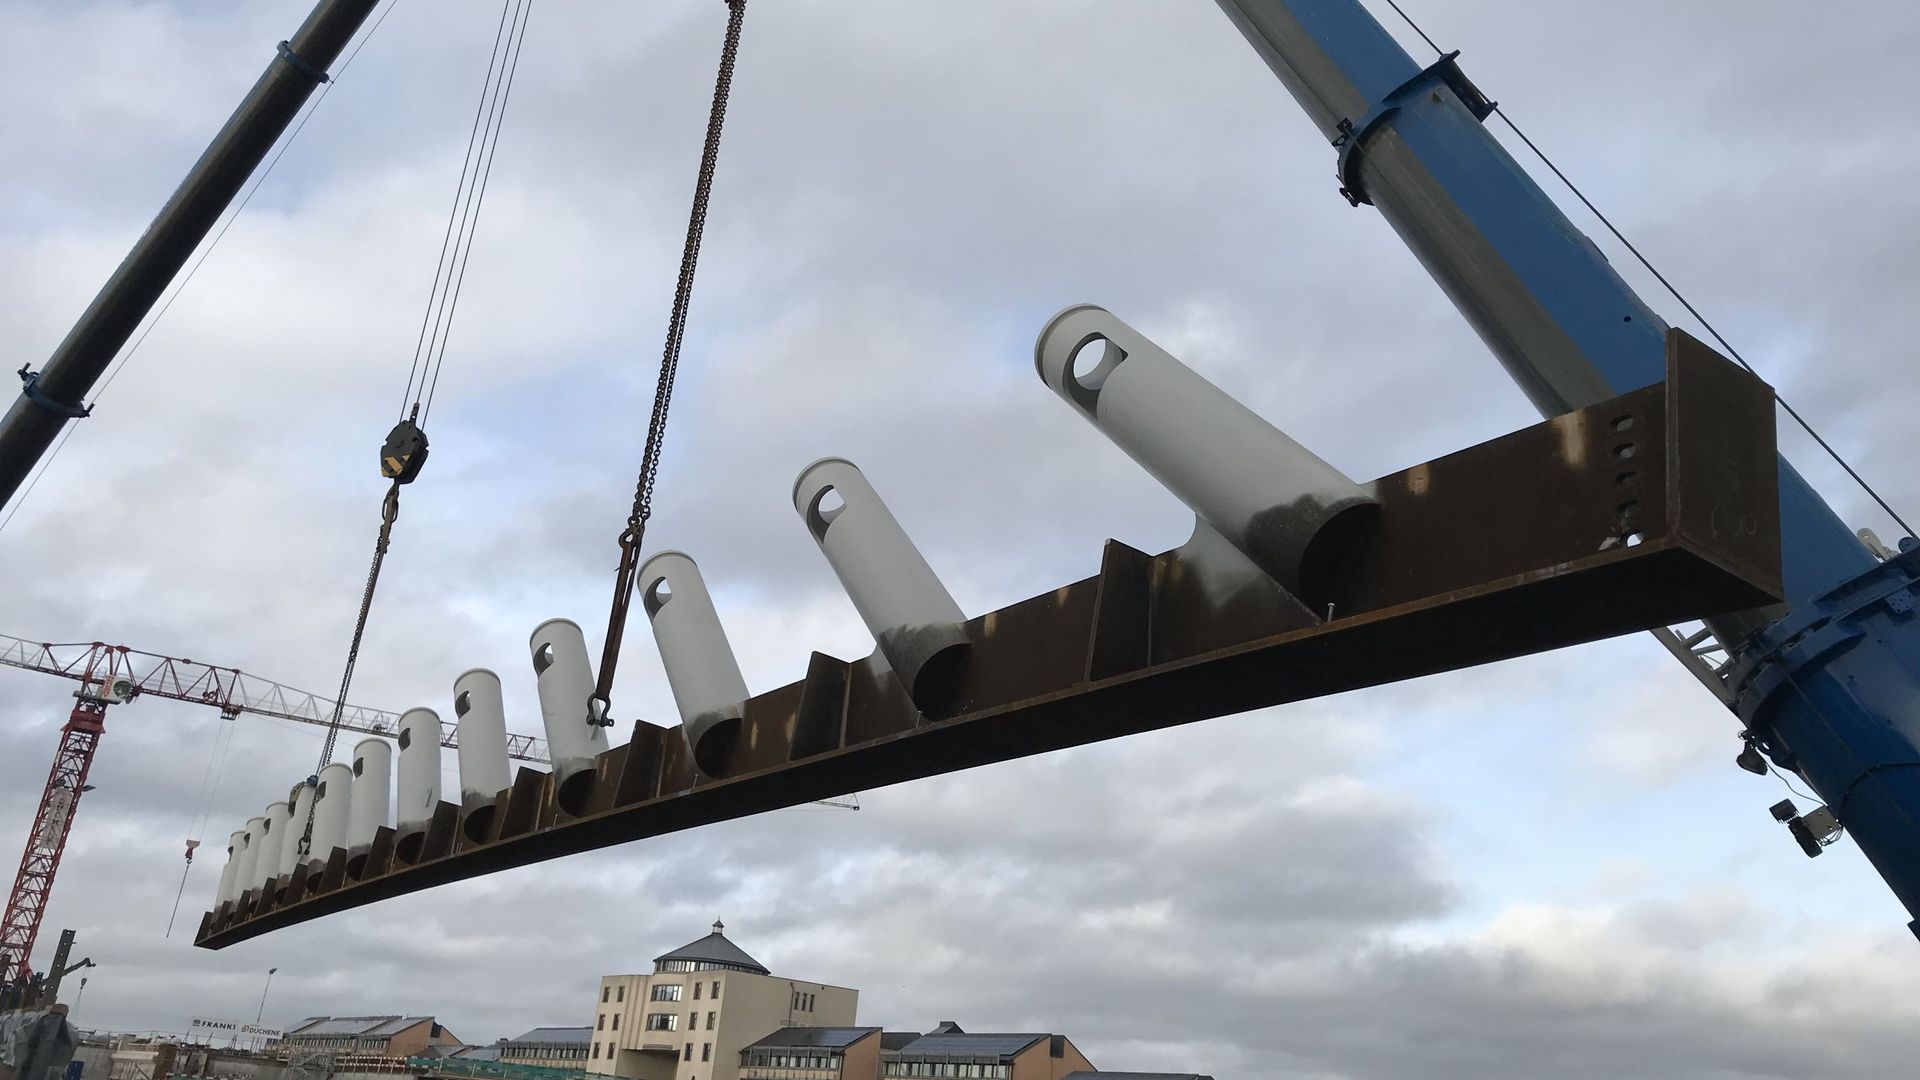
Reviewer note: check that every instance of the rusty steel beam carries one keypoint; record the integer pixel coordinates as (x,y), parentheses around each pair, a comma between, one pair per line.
(1651,508)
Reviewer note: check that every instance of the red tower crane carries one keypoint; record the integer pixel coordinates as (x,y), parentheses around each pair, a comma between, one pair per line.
(113,675)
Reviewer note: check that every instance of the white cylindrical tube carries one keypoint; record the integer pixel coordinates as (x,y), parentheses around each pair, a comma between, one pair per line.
(912,616)
(482,727)
(706,680)
(332,810)
(372,791)
(236,847)
(565,677)
(419,784)
(267,866)
(249,856)
(296,828)
(1293,514)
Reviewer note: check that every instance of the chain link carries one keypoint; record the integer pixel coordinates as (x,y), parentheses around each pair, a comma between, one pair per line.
(636,527)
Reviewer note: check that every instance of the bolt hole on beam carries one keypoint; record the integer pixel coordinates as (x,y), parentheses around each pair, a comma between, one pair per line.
(1627,479)
(1635,539)
(1623,452)
(1622,424)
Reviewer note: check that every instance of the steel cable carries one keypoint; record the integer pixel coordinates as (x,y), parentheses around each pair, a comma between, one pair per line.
(1673,291)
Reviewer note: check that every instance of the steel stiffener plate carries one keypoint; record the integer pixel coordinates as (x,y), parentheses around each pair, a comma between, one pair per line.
(1650,509)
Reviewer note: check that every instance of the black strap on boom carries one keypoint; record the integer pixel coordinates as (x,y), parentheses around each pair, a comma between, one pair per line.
(635,531)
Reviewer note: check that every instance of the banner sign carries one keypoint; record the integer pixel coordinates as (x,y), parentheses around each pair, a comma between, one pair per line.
(208,1027)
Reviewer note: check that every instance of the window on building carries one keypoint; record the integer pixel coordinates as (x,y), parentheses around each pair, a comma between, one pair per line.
(706,1051)
(667,993)
(596,1051)
(688,1055)
(693,1021)
(601,1024)
(616,1021)
(604,991)
(663,1021)
(716,989)
(696,990)
(710,1019)
(620,992)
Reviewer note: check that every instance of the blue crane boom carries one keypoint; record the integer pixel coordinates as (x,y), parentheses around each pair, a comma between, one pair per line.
(1829,684)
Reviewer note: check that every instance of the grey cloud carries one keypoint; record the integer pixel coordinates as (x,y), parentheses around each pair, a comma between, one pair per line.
(908,191)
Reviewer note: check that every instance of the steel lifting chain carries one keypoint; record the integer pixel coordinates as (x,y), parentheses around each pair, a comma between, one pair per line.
(636,527)
(389,513)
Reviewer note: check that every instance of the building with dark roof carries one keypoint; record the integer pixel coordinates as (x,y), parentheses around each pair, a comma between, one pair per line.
(813,1053)
(700,1006)
(711,953)
(1134,1076)
(376,1036)
(950,1053)
(488,1052)
(552,1047)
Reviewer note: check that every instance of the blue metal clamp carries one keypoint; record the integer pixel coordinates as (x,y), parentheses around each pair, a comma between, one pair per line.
(1354,133)
(299,63)
(30,387)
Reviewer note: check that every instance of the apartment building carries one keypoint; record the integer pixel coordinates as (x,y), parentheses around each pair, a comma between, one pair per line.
(548,1047)
(704,1002)
(1135,1076)
(377,1036)
(813,1053)
(949,1053)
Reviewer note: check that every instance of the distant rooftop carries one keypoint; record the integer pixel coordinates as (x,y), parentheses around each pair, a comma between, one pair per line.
(824,1038)
(354,1026)
(711,953)
(567,1035)
(1134,1076)
(961,1044)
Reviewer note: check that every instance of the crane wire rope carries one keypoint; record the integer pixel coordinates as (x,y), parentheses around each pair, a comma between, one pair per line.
(121,364)
(599,705)
(477,202)
(210,778)
(1673,291)
(406,448)
(463,218)
(203,804)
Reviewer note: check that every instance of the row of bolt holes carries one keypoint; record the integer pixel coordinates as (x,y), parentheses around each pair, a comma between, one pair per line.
(1626,478)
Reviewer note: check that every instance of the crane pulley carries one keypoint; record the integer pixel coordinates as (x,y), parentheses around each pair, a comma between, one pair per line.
(404,452)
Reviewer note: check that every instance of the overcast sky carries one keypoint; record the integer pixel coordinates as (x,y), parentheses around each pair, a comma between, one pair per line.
(1545,867)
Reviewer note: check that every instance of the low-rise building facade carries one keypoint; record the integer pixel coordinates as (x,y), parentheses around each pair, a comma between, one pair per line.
(701,1005)
(368,1036)
(813,1053)
(949,1053)
(552,1047)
